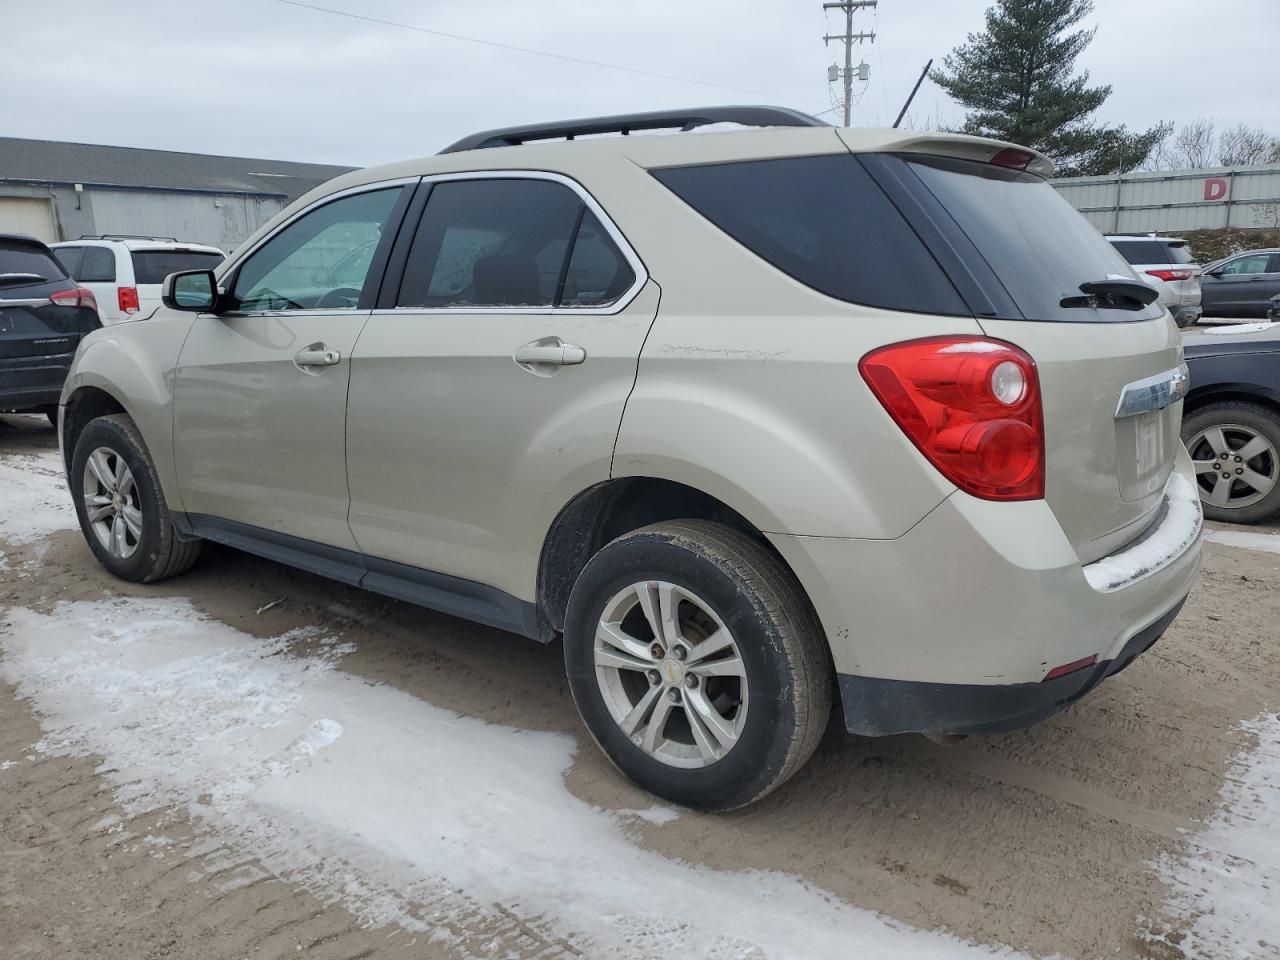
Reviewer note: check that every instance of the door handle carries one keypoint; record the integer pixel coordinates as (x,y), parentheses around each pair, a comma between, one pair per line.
(316,355)
(549,351)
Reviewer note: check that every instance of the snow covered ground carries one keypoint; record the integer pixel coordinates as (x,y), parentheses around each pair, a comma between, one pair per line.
(415,816)
(1227,889)
(36,501)
(389,804)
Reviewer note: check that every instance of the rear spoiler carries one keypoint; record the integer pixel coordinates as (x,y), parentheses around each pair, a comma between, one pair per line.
(958,145)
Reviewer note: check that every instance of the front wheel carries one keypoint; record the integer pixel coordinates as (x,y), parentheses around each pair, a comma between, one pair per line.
(697,663)
(121,508)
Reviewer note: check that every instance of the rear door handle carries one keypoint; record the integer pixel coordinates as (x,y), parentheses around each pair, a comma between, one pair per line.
(316,355)
(550,351)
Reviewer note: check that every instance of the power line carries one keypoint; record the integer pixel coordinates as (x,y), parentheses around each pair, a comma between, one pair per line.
(542,53)
(849,38)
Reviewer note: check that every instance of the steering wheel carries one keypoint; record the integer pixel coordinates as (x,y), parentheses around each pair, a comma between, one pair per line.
(339,297)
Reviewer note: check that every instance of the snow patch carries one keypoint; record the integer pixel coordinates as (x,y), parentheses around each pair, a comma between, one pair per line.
(405,812)
(36,501)
(1224,890)
(1177,531)
(1265,542)
(1232,329)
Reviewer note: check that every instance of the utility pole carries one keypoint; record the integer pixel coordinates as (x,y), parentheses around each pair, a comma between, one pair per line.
(849,37)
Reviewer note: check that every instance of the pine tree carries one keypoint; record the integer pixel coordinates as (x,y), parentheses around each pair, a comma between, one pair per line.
(1017,81)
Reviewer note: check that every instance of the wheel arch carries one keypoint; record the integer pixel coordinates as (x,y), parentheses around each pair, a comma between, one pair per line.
(608,510)
(1201,397)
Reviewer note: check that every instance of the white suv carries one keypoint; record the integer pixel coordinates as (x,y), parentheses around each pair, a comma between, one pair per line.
(760,422)
(125,273)
(1166,264)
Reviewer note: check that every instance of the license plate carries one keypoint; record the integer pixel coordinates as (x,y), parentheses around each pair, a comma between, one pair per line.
(1149,439)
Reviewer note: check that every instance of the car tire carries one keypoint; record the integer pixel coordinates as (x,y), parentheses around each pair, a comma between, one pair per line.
(1238,423)
(131,530)
(769,690)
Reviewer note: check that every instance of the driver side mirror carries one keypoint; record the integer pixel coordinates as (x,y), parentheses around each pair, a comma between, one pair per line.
(1216,274)
(195,291)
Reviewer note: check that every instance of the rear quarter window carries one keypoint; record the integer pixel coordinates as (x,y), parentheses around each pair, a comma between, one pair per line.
(823,221)
(152,266)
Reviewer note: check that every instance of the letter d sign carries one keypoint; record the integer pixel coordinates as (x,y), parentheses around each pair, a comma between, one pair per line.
(1215,188)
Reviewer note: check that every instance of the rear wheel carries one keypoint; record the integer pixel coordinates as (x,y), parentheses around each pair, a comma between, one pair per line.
(121,508)
(697,663)
(1236,449)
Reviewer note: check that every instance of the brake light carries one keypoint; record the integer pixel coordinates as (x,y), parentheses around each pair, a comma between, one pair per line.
(1013,158)
(1170,274)
(1071,667)
(79,297)
(971,405)
(128,299)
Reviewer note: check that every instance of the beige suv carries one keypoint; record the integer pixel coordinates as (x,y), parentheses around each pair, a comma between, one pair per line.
(760,421)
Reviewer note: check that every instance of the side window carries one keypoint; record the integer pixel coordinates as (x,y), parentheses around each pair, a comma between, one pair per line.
(70,258)
(98,266)
(1254,263)
(823,221)
(597,272)
(1274,265)
(319,261)
(491,243)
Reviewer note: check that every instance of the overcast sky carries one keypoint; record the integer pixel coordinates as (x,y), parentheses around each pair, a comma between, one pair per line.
(262,78)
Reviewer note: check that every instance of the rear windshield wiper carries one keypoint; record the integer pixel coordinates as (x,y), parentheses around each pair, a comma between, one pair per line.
(1114,292)
(14,279)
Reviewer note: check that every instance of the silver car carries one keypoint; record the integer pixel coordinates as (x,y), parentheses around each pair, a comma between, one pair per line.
(763,423)
(1166,264)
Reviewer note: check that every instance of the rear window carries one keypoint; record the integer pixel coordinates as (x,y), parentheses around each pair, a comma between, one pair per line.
(1148,252)
(20,258)
(1039,248)
(152,266)
(823,221)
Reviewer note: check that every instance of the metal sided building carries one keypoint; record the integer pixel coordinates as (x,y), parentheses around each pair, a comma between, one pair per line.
(62,191)
(1169,201)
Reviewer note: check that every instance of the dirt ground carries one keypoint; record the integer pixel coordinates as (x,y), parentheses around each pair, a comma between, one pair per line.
(1041,841)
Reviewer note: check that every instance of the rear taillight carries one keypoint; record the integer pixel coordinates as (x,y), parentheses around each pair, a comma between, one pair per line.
(1013,158)
(128,299)
(79,297)
(972,407)
(1170,274)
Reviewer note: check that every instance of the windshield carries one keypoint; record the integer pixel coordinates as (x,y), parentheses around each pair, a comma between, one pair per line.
(1037,245)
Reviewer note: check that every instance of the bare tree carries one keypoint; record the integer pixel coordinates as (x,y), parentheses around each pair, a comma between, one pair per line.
(1194,145)
(1243,144)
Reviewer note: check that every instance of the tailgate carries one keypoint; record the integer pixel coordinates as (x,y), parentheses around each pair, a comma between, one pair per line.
(1028,264)
(1105,474)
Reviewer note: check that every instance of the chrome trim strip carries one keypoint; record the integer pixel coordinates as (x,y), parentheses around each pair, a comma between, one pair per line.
(1153,393)
(29,302)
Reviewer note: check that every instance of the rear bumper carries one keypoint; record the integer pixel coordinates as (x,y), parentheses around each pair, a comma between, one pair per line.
(875,707)
(953,626)
(1186,314)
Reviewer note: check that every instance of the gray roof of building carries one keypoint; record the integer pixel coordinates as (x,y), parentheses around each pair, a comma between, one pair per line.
(54,161)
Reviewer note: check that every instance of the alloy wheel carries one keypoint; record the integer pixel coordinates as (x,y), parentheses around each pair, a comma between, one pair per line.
(111,503)
(671,674)
(1235,465)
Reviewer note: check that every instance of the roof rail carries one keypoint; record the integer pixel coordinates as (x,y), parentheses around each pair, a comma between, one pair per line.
(625,123)
(122,236)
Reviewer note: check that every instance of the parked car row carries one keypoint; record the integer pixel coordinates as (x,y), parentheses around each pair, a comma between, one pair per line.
(125,273)
(1245,284)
